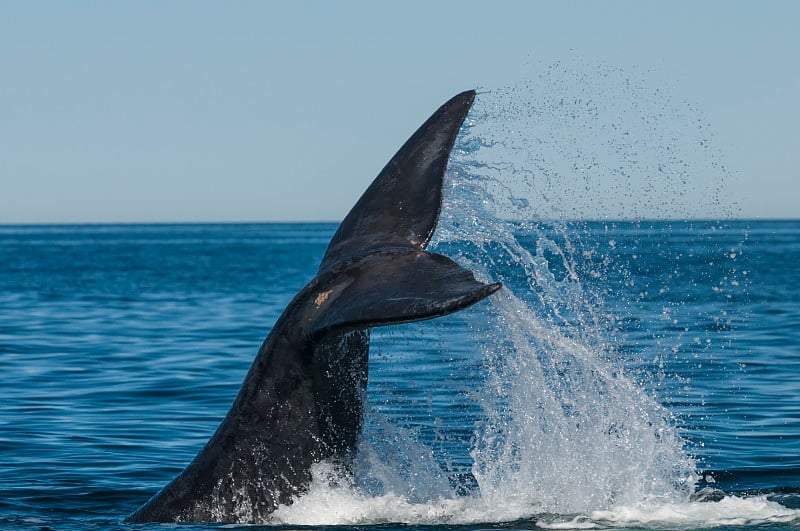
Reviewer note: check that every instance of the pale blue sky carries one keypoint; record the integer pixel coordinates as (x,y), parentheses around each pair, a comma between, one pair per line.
(262,111)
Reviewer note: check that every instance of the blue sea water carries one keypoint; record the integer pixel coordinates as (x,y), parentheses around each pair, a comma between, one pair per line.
(624,368)
(637,374)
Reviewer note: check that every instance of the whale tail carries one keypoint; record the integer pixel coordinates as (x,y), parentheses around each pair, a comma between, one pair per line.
(303,399)
(391,279)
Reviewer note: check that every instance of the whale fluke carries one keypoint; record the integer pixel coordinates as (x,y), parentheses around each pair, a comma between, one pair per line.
(398,288)
(401,206)
(302,400)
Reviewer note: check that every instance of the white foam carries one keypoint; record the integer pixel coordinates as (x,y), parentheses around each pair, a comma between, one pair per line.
(729,511)
(333,502)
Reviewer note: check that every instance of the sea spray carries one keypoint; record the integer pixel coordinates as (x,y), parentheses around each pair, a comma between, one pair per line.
(564,428)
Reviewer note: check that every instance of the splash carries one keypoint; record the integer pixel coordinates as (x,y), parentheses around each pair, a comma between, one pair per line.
(565,429)
(562,434)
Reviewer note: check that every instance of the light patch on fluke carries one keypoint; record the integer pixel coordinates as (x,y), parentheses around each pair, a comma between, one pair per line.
(322,297)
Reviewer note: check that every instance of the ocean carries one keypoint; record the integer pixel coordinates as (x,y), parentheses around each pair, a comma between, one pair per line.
(637,374)
(629,374)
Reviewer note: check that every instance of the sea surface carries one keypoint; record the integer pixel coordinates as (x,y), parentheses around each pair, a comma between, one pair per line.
(629,374)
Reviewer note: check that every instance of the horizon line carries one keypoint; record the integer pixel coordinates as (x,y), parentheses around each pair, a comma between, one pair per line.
(323,222)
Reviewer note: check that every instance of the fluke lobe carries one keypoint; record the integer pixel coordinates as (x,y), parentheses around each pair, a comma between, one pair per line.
(302,400)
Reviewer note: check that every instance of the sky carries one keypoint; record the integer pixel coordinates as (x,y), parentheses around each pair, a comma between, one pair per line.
(178,111)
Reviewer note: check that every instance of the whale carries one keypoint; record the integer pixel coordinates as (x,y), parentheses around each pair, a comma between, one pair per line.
(302,401)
